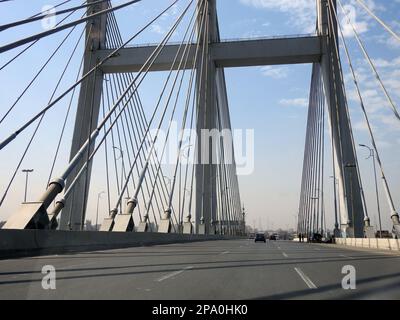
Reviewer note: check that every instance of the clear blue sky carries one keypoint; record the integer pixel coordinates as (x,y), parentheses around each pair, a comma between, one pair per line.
(270,100)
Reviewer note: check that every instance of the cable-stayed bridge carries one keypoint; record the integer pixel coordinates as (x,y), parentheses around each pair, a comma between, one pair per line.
(192,191)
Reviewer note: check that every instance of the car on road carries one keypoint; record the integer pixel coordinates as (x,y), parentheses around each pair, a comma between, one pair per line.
(273,237)
(316,238)
(260,237)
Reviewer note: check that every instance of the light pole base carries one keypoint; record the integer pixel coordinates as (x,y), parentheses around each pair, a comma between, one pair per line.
(337,233)
(107,225)
(202,228)
(123,223)
(31,215)
(143,227)
(369,232)
(164,226)
(349,232)
(187,228)
(213,229)
(396,231)
(53,224)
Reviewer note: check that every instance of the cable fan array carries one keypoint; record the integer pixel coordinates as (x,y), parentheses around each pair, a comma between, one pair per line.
(115,128)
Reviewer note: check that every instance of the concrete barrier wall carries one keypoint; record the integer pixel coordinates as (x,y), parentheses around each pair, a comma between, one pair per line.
(15,243)
(381,244)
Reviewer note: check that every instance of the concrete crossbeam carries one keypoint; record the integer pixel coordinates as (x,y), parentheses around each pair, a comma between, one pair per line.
(240,53)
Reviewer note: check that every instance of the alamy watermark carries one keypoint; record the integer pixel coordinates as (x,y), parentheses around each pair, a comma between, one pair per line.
(205,146)
(349,280)
(49,278)
(49,20)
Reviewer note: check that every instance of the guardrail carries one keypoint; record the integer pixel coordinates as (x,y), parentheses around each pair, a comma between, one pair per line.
(371,243)
(176,43)
(16,243)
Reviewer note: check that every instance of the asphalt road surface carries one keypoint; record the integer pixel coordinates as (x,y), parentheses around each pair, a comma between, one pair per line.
(235,269)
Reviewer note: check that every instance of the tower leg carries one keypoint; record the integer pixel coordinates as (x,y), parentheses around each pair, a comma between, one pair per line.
(73,214)
(350,192)
(206,198)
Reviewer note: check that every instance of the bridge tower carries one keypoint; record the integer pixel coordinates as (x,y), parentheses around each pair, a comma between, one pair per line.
(345,158)
(212,101)
(212,96)
(212,179)
(73,214)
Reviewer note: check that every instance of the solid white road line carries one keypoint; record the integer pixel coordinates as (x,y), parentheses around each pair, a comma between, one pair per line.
(306,279)
(173,274)
(66,268)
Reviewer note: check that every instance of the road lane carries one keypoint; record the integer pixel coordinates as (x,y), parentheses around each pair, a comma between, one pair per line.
(234,269)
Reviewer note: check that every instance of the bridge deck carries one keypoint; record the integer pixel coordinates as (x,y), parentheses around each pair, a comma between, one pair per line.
(234,269)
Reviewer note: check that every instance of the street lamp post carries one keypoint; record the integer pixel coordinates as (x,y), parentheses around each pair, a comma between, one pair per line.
(372,155)
(27,172)
(169,183)
(337,204)
(97,209)
(121,156)
(351,167)
(312,226)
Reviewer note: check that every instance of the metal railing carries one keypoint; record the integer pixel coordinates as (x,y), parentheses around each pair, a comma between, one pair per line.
(293,36)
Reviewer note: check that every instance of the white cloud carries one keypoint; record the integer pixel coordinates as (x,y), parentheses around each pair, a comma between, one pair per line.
(156,28)
(352,15)
(360,126)
(381,117)
(383,144)
(302,12)
(171,13)
(296,102)
(275,72)
(390,122)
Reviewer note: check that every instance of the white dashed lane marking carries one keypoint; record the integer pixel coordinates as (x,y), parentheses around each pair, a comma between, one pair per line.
(306,279)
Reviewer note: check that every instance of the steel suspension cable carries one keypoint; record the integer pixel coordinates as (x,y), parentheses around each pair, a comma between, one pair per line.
(91,122)
(373,141)
(380,21)
(302,190)
(94,134)
(185,56)
(322,158)
(36,75)
(313,156)
(183,126)
(66,115)
(46,15)
(311,166)
(370,62)
(334,114)
(95,68)
(43,34)
(39,13)
(205,66)
(134,105)
(30,46)
(364,204)
(37,127)
(147,64)
(106,159)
